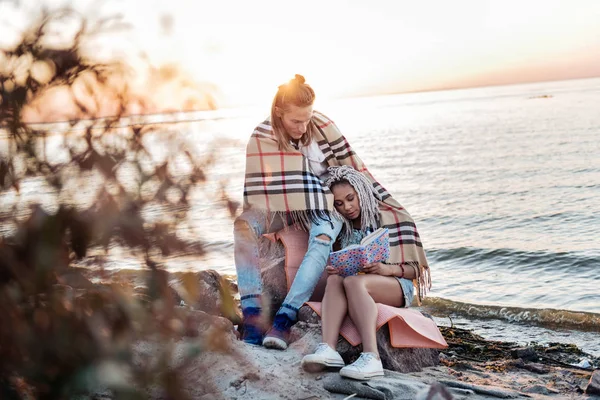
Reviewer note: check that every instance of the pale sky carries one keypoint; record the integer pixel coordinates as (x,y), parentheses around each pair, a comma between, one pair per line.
(344,48)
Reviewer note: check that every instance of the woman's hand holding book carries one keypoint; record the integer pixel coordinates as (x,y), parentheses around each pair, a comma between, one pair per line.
(331,270)
(379,269)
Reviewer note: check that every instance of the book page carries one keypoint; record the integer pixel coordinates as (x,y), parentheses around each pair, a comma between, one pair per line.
(378,247)
(367,239)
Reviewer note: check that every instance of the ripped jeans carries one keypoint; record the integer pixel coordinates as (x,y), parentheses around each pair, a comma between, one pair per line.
(248,229)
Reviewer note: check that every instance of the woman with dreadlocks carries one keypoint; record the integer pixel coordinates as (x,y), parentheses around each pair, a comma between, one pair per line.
(356,295)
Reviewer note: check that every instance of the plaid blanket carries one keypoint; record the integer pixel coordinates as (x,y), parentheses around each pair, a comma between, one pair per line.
(283,185)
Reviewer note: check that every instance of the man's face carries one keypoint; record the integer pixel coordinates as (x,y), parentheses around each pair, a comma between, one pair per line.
(295,120)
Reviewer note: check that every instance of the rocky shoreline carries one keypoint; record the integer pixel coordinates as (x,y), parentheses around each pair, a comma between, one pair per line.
(471,367)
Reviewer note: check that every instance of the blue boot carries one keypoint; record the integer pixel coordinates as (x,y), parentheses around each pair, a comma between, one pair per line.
(279,335)
(252,332)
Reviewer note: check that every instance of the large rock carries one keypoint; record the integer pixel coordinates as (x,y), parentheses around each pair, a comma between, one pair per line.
(210,293)
(209,296)
(593,386)
(390,387)
(199,323)
(392,358)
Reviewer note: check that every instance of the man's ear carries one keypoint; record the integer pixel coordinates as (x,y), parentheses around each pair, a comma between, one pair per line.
(278,112)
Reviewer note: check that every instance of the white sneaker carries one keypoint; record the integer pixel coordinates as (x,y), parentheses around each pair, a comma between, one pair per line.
(323,357)
(366,367)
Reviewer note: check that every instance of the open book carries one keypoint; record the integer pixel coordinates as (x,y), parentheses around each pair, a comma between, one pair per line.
(373,248)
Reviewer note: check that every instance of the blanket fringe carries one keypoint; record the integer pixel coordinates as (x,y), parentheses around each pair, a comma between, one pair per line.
(422,280)
(302,218)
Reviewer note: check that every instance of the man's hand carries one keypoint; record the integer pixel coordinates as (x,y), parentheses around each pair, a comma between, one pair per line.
(379,269)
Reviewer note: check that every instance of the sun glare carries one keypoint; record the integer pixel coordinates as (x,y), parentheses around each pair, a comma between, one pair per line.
(351,48)
(345,48)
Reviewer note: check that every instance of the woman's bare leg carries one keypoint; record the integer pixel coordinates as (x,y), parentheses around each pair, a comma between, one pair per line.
(362,292)
(334,309)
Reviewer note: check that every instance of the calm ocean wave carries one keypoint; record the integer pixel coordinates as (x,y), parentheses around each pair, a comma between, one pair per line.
(565,262)
(548,318)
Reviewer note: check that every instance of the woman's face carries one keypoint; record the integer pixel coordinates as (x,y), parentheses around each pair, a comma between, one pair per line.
(346,201)
(295,120)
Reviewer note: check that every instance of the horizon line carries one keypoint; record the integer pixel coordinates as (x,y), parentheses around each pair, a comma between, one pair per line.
(335,98)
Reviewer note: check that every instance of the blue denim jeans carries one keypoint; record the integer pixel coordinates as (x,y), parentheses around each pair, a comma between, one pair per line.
(248,229)
(408,290)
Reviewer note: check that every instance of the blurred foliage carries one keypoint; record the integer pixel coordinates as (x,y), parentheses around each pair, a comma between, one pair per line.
(59,338)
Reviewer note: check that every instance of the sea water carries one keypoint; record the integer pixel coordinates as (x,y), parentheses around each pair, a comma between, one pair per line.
(502,182)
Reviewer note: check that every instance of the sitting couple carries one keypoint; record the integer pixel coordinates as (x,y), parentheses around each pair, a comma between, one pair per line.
(288,159)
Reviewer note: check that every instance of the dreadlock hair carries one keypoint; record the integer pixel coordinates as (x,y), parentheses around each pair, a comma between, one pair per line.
(367,198)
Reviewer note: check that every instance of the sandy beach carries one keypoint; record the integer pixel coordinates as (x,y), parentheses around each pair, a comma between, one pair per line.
(470,368)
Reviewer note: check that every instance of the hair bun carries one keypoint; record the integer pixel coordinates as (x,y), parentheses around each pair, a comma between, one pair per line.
(299,79)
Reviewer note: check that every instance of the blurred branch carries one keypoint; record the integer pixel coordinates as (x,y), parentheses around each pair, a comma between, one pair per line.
(56,341)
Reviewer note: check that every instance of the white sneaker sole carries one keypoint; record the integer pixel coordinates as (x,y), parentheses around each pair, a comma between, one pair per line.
(319,365)
(361,376)
(274,343)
